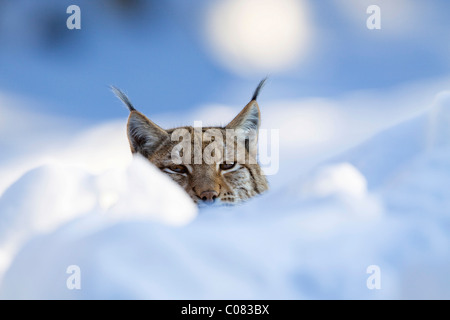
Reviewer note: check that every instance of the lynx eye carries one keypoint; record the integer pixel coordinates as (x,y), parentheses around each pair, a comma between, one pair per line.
(227,166)
(176,169)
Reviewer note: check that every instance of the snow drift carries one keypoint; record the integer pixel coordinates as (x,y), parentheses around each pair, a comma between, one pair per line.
(133,234)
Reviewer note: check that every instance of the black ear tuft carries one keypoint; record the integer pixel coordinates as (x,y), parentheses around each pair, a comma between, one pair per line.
(123,97)
(258,88)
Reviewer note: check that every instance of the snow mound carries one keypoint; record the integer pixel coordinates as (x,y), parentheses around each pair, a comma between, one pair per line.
(51,195)
(315,238)
(131,231)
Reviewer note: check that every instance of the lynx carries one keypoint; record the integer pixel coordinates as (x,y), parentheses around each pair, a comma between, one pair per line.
(227,181)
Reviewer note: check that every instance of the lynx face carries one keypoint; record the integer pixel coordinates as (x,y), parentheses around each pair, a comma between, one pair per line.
(210,164)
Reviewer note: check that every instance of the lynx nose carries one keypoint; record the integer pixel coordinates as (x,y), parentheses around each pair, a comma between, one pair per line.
(209,196)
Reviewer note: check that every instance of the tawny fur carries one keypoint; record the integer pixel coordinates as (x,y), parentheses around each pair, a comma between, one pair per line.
(245,181)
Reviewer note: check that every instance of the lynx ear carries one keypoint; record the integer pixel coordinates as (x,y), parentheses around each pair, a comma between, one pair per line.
(144,135)
(248,119)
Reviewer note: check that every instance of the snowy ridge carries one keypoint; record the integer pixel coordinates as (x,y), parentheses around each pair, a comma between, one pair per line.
(134,235)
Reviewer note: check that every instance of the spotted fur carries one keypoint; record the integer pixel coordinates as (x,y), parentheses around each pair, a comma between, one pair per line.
(229,185)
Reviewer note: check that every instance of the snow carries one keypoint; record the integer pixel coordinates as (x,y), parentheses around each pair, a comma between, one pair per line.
(359,195)
(92,172)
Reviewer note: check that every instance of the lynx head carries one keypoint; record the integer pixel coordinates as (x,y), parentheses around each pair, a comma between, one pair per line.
(212,164)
